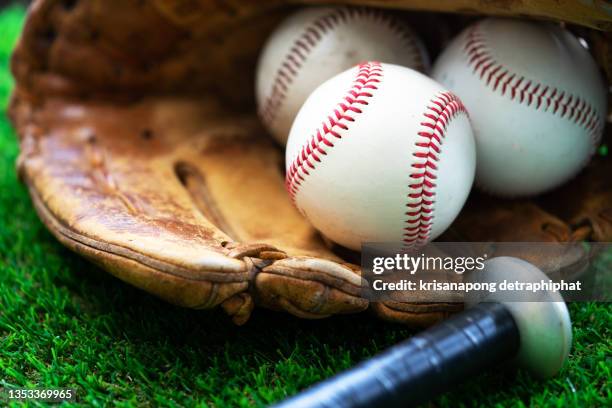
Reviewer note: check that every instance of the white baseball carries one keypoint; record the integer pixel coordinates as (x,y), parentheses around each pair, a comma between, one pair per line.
(315,44)
(380,153)
(536,100)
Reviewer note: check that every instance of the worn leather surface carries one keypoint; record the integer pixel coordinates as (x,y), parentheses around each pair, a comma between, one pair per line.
(142,152)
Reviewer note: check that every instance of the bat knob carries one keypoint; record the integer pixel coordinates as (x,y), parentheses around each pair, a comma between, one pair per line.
(543,321)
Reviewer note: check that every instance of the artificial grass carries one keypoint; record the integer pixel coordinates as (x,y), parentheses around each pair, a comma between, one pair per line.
(65,323)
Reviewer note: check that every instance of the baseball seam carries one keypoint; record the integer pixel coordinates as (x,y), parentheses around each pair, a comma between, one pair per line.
(527,91)
(369,74)
(422,188)
(312,36)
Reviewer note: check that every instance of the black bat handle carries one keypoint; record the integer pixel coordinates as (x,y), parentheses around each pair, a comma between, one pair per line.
(422,366)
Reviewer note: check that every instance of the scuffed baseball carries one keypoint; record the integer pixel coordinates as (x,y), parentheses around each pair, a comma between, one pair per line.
(380,153)
(536,100)
(315,44)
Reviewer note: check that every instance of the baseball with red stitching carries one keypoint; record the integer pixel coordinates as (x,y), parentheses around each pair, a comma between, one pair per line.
(380,153)
(536,99)
(315,44)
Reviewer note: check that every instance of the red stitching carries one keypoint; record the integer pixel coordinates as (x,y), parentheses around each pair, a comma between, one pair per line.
(569,106)
(312,35)
(445,107)
(369,75)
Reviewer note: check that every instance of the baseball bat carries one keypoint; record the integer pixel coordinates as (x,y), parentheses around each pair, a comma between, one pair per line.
(536,334)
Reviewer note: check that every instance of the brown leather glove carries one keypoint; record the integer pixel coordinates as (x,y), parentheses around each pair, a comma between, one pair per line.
(141,152)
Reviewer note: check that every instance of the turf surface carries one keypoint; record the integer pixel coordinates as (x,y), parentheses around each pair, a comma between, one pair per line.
(64,323)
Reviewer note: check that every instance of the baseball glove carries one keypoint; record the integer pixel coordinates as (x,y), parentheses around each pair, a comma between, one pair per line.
(141,151)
